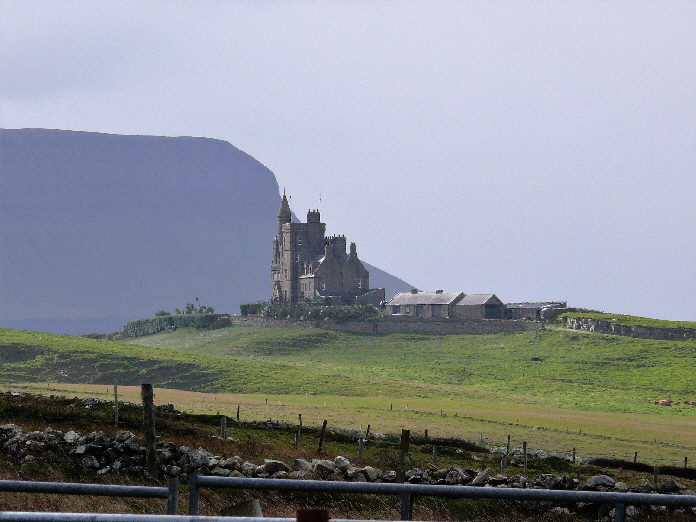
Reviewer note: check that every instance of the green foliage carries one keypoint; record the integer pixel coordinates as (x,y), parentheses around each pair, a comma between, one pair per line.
(153,325)
(162,313)
(630,320)
(310,311)
(252,308)
(197,308)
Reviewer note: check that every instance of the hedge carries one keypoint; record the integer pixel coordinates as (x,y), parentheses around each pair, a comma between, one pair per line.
(153,325)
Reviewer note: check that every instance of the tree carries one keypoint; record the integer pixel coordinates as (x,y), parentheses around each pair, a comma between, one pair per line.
(195,309)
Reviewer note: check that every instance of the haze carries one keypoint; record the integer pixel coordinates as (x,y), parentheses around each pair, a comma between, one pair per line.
(535,150)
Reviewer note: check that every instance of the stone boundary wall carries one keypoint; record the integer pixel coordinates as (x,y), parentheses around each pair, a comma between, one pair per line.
(642,332)
(391,324)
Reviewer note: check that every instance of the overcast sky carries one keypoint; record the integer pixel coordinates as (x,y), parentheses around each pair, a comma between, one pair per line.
(535,150)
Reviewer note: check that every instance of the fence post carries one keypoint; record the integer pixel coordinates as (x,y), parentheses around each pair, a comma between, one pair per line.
(223,426)
(403,452)
(321,436)
(173,498)
(116,404)
(406,506)
(524,451)
(312,515)
(194,494)
(361,444)
(434,455)
(238,406)
(149,427)
(573,455)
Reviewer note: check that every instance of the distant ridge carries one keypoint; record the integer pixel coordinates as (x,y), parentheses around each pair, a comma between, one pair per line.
(98,229)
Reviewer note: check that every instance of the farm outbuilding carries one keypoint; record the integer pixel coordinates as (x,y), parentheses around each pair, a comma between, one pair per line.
(424,304)
(532,311)
(479,306)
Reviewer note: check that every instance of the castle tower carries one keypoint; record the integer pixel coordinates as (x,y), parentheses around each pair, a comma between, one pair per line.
(307,264)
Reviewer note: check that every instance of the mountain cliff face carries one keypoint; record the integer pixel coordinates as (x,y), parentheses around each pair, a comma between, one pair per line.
(99,229)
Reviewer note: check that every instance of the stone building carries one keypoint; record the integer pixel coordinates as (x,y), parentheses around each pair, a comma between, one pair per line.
(447,305)
(307,264)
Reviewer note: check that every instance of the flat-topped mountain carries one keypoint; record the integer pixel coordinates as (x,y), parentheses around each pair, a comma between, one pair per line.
(99,229)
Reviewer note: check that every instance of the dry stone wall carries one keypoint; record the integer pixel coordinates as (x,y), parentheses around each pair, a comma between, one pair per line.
(642,332)
(392,324)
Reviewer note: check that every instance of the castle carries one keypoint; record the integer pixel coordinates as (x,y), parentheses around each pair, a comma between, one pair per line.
(307,264)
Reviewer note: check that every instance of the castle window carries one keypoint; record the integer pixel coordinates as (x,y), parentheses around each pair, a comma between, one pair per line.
(359,283)
(286,273)
(298,258)
(299,241)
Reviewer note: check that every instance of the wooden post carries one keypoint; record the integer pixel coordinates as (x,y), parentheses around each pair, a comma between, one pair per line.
(503,463)
(148,397)
(507,451)
(238,406)
(297,438)
(116,405)
(434,455)
(524,452)
(403,453)
(573,455)
(300,416)
(312,515)
(685,461)
(635,457)
(223,426)
(361,445)
(367,432)
(425,435)
(321,436)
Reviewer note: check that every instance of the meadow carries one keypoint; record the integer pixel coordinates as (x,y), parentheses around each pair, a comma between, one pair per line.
(556,389)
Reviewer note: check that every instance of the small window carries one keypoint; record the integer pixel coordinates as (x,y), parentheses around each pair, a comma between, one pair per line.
(298,258)
(323,286)
(299,241)
(396,309)
(359,283)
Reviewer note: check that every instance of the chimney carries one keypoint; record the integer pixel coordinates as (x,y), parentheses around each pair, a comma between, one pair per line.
(414,290)
(438,291)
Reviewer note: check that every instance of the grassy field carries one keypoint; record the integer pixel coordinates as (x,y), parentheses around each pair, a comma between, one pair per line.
(555,389)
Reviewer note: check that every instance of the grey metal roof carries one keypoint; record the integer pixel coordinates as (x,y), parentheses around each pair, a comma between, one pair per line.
(536,306)
(476,299)
(425,298)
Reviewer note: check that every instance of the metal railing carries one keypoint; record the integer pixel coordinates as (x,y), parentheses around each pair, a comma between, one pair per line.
(21,516)
(407,492)
(171,493)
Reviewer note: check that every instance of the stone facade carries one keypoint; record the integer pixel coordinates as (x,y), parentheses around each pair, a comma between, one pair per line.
(307,264)
(440,304)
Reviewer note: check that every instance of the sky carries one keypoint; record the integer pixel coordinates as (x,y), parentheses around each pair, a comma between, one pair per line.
(534,150)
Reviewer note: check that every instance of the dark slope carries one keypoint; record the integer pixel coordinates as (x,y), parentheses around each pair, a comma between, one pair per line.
(98,229)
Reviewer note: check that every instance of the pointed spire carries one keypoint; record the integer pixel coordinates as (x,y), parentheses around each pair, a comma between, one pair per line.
(284,213)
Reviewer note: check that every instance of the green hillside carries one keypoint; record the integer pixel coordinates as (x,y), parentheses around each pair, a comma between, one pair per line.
(557,367)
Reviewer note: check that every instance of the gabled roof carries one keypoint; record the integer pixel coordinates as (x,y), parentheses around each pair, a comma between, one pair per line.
(477,299)
(425,298)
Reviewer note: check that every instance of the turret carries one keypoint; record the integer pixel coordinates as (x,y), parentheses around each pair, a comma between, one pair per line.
(284,214)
